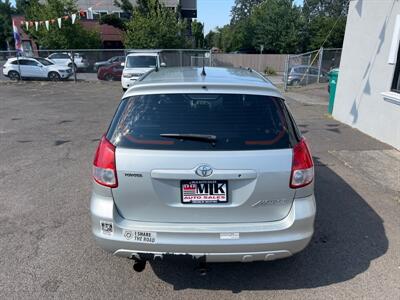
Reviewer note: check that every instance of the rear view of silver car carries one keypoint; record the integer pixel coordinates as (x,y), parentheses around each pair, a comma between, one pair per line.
(207,165)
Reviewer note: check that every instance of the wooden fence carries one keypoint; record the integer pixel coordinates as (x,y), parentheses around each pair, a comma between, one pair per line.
(255,61)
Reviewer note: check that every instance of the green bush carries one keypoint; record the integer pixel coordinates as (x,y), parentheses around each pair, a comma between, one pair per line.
(269,71)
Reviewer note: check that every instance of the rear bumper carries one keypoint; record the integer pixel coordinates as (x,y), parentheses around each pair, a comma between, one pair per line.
(82,65)
(251,241)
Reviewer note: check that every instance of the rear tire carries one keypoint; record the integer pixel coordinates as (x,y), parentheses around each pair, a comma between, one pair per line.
(295,82)
(108,77)
(54,76)
(14,76)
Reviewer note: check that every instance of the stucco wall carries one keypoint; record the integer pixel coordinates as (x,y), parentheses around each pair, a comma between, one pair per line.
(365,72)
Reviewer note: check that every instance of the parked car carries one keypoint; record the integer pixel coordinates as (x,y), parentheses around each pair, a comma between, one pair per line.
(65,59)
(136,64)
(303,74)
(111,72)
(35,67)
(206,165)
(112,60)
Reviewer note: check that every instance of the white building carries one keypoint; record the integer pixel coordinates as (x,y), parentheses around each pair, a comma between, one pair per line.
(368,91)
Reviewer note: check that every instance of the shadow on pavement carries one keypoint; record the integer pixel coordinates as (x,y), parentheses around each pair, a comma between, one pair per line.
(348,236)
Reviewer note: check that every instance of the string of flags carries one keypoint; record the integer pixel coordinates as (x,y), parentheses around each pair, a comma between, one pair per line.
(47,23)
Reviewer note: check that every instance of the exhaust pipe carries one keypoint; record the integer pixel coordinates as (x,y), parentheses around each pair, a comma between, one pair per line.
(202,269)
(139,265)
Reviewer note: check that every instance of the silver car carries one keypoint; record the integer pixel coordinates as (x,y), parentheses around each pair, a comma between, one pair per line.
(203,163)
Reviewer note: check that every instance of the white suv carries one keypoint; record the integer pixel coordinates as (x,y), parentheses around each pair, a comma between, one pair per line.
(137,64)
(29,67)
(64,59)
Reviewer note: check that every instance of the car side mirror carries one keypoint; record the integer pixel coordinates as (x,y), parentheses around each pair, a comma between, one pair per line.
(122,64)
(163,64)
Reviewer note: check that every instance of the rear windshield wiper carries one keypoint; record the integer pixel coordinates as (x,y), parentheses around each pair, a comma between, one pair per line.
(191,136)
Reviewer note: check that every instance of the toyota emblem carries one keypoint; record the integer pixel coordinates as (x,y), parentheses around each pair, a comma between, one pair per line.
(204,171)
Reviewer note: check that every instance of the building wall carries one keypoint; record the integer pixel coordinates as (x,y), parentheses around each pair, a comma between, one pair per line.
(365,76)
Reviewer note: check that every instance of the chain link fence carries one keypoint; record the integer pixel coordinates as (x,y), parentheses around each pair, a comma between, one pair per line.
(94,64)
(311,67)
(104,64)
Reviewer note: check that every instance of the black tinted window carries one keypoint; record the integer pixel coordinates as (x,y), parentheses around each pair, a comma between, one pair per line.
(23,62)
(300,70)
(44,61)
(31,63)
(141,62)
(240,122)
(59,56)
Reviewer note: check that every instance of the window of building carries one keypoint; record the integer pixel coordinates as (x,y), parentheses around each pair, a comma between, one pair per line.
(98,14)
(396,77)
(84,15)
(125,15)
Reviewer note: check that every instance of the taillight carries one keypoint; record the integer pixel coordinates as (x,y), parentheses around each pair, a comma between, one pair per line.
(302,166)
(104,169)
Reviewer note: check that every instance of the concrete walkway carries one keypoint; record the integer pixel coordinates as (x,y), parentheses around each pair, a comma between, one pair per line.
(381,163)
(313,94)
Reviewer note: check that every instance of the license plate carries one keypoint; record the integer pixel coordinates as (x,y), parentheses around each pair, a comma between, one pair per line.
(145,237)
(204,191)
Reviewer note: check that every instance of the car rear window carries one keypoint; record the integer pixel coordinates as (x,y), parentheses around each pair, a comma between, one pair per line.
(238,122)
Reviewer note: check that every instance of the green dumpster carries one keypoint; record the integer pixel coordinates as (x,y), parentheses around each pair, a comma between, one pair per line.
(333,78)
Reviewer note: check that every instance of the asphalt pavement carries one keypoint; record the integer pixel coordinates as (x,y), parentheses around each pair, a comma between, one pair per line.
(48,135)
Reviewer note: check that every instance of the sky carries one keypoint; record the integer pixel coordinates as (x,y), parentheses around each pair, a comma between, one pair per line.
(215,13)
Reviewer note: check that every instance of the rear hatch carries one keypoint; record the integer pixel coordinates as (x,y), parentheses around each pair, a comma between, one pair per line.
(203,158)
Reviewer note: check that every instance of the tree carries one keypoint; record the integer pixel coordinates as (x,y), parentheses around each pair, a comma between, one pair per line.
(240,36)
(320,32)
(209,39)
(125,5)
(320,17)
(282,27)
(155,26)
(22,5)
(70,36)
(6,32)
(277,25)
(327,8)
(242,9)
(113,20)
(198,34)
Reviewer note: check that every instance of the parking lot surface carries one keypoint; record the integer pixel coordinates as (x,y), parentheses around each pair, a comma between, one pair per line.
(48,135)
